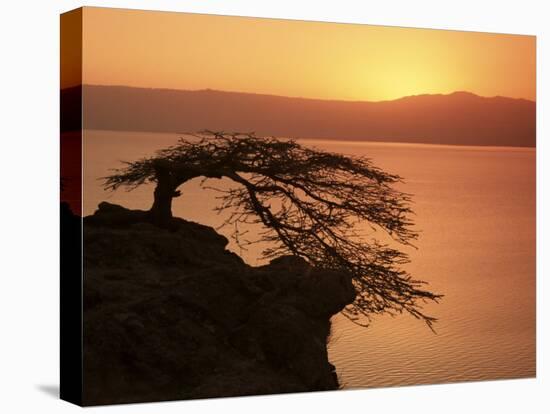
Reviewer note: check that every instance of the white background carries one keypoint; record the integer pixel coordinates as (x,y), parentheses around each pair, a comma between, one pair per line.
(29,90)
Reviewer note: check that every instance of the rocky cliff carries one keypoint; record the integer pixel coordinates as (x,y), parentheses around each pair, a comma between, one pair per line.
(171,314)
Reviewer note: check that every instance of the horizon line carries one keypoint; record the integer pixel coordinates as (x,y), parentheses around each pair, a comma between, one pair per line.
(304,97)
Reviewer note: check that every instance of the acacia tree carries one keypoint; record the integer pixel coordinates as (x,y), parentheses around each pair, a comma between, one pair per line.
(311,204)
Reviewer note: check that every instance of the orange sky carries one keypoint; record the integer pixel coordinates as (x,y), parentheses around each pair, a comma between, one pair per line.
(294,58)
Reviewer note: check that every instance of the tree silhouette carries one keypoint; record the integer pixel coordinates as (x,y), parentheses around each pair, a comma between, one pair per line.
(310,204)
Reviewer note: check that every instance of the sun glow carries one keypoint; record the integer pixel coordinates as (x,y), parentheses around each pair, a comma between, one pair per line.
(296,58)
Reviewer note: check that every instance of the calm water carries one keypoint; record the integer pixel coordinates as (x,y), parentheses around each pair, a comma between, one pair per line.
(475,208)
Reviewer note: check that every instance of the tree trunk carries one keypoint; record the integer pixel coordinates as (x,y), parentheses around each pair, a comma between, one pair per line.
(161,210)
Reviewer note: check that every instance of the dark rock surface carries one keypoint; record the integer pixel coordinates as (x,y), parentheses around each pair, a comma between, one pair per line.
(170,314)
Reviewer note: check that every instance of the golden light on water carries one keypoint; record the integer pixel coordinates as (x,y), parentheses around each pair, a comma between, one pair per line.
(474,205)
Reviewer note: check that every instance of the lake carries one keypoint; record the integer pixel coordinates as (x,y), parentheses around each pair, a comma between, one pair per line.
(475,209)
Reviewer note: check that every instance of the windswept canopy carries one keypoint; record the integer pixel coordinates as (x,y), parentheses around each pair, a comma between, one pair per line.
(311,203)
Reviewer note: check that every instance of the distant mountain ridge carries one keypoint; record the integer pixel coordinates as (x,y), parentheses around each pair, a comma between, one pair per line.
(459,118)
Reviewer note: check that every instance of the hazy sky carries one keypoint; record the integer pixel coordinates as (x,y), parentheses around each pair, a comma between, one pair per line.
(294,58)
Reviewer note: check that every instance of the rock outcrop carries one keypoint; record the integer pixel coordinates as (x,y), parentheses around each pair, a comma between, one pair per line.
(171,314)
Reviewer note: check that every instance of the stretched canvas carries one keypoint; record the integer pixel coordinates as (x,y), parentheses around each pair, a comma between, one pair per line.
(259,206)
